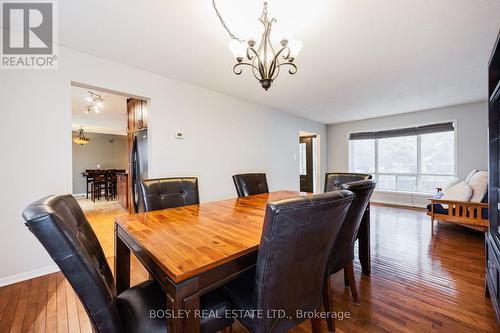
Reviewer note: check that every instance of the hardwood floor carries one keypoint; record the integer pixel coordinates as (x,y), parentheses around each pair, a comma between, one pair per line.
(419,282)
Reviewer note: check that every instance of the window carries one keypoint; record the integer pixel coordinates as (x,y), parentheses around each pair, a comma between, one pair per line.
(409,160)
(364,150)
(397,155)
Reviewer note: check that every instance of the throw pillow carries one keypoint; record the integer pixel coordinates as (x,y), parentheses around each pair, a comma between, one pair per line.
(459,192)
(479,185)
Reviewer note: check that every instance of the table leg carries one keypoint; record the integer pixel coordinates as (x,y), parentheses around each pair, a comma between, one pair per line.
(182,301)
(191,304)
(364,243)
(122,264)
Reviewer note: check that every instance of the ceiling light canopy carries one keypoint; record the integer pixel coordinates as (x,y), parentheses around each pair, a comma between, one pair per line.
(264,62)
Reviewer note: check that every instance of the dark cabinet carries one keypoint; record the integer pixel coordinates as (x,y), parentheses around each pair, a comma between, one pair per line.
(137,113)
(493,235)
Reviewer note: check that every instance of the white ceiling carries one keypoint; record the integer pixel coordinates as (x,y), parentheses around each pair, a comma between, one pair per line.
(112,118)
(361,58)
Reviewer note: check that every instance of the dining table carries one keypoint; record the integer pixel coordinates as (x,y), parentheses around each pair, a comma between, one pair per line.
(191,250)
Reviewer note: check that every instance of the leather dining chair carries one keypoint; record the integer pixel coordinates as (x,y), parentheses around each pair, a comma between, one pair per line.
(89,178)
(342,253)
(61,226)
(250,184)
(297,236)
(166,193)
(334,180)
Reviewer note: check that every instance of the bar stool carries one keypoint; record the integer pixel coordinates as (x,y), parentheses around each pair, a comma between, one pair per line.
(99,184)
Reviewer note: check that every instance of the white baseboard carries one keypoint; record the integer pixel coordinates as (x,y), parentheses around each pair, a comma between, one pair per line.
(28,275)
(79,195)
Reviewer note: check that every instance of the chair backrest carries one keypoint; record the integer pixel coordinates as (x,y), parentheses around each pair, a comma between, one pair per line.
(250,184)
(100,175)
(169,192)
(297,237)
(343,249)
(334,180)
(60,225)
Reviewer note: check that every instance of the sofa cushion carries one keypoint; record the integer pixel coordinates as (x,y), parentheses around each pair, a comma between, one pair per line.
(458,192)
(479,185)
(469,176)
(451,184)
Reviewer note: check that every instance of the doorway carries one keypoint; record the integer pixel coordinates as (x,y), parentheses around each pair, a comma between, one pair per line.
(111,156)
(308,162)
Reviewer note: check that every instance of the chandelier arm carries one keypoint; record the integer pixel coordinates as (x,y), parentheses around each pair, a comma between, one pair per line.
(292,70)
(275,62)
(272,67)
(256,54)
(283,49)
(262,70)
(249,56)
(235,67)
(256,58)
(276,73)
(257,68)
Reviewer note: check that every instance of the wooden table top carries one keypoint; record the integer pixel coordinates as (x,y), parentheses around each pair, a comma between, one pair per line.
(189,240)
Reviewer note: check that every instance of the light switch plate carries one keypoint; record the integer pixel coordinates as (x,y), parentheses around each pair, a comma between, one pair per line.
(179,135)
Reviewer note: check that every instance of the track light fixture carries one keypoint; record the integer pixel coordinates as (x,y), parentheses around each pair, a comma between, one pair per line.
(97,100)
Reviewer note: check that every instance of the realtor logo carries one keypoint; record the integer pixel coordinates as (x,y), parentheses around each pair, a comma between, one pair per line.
(28,35)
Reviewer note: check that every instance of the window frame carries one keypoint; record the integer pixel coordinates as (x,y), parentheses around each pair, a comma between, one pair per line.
(376,174)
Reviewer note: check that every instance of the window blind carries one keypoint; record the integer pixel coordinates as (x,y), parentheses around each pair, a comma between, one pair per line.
(427,129)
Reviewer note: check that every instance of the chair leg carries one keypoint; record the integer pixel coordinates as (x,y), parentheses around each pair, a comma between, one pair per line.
(316,325)
(346,279)
(328,303)
(432,226)
(228,329)
(352,282)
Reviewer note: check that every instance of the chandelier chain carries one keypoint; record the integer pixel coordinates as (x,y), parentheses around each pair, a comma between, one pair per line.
(224,23)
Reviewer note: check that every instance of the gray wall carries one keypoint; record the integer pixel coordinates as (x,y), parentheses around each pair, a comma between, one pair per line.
(108,151)
(471,139)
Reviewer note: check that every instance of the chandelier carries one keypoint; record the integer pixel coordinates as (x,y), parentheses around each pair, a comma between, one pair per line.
(81,139)
(264,61)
